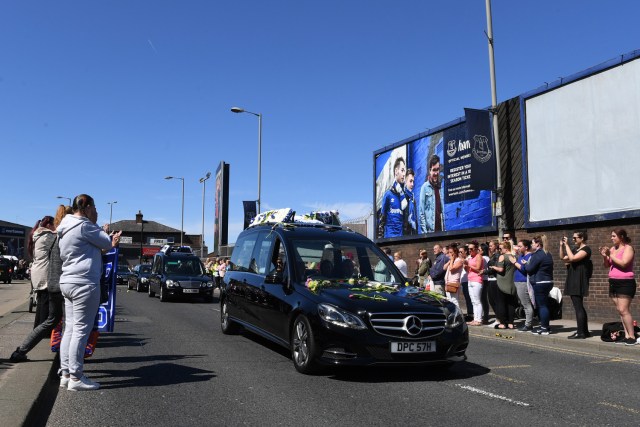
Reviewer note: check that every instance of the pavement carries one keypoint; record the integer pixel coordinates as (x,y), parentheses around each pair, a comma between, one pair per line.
(28,390)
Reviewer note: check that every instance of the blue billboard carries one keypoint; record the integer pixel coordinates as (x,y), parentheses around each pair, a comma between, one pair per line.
(437,183)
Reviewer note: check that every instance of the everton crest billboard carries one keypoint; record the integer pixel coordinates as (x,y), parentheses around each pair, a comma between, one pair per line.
(437,183)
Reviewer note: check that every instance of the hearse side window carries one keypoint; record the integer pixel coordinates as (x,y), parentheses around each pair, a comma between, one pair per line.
(157,265)
(241,256)
(261,253)
(278,262)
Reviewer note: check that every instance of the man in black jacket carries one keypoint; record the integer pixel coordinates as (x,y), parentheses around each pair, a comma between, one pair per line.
(437,271)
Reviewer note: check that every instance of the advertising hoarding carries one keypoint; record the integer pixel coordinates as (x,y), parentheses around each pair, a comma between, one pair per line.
(580,146)
(437,183)
(221,207)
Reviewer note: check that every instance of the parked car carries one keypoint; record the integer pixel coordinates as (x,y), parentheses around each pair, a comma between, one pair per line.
(332,297)
(139,278)
(6,270)
(122,275)
(179,274)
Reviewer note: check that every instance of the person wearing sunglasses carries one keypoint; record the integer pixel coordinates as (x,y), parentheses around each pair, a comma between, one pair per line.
(579,271)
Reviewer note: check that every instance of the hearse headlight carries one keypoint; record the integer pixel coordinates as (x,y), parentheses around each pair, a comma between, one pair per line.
(171,283)
(144,280)
(209,284)
(454,318)
(338,317)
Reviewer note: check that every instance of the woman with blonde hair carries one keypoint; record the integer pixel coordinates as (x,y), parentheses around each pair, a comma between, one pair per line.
(540,272)
(622,284)
(506,299)
(81,244)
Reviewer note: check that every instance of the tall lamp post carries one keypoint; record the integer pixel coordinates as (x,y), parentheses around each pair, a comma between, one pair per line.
(140,221)
(182,219)
(203,180)
(494,111)
(111,212)
(259,116)
(62,197)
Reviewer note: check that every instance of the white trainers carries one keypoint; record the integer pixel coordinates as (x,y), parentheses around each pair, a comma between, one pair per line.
(83,383)
(64,381)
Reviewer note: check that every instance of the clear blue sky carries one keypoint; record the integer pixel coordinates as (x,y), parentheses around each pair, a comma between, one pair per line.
(108,98)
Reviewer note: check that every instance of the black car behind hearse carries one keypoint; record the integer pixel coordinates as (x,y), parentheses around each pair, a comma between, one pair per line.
(139,278)
(332,297)
(177,273)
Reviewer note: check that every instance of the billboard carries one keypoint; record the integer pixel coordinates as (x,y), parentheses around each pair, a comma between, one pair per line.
(221,207)
(437,183)
(580,146)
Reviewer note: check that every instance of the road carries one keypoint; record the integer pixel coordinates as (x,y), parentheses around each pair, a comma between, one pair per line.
(13,295)
(169,364)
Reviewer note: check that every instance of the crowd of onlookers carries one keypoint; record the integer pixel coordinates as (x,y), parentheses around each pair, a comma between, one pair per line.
(505,275)
(217,267)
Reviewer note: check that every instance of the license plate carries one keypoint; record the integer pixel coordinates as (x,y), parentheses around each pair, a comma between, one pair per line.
(413,347)
(190,291)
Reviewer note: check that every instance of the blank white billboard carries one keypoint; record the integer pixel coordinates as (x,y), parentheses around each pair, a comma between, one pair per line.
(583,147)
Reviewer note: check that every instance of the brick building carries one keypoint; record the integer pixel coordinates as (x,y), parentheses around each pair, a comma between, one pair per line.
(597,304)
(150,238)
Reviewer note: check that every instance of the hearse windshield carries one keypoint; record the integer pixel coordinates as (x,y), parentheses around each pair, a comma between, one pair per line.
(335,259)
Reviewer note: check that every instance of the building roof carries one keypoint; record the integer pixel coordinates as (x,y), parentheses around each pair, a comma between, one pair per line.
(12,224)
(130,225)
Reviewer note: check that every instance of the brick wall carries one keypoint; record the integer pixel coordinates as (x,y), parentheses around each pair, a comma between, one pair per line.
(597,304)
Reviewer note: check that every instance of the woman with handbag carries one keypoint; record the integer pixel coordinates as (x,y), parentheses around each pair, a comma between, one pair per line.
(506,296)
(622,283)
(49,300)
(453,270)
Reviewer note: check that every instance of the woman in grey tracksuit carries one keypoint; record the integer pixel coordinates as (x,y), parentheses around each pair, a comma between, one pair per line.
(81,244)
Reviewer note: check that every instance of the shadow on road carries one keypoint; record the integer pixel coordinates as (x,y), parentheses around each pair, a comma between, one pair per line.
(156,375)
(372,374)
(119,339)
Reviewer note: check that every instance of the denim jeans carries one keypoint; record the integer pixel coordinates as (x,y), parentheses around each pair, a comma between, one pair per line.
(541,292)
(43,330)
(467,298)
(81,304)
(525,300)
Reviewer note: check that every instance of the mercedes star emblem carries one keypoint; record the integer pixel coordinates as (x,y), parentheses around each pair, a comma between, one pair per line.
(413,325)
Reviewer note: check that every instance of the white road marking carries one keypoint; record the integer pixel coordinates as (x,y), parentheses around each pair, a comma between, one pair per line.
(492,395)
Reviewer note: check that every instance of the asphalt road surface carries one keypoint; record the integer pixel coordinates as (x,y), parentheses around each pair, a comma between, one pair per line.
(168,364)
(13,295)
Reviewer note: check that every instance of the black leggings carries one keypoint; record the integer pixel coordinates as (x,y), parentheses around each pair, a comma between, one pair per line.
(43,329)
(505,307)
(581,314)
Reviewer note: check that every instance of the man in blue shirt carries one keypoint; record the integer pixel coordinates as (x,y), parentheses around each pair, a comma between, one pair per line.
(410,215)
(394,202)
(432,199)
(437,271)
(523,253)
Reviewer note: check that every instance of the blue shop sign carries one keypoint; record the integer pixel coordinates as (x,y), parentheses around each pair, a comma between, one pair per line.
(12,231)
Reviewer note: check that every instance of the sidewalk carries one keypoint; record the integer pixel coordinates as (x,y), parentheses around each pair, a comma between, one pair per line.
(25,388)
(558,339)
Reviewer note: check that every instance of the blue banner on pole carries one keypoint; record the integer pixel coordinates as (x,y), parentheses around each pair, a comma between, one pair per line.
(483,159)
(107,311)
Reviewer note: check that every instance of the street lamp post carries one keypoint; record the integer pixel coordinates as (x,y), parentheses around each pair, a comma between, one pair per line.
(259,116)
(203,180)
(111,212)
(139,220)
(182,218)
(62,197)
